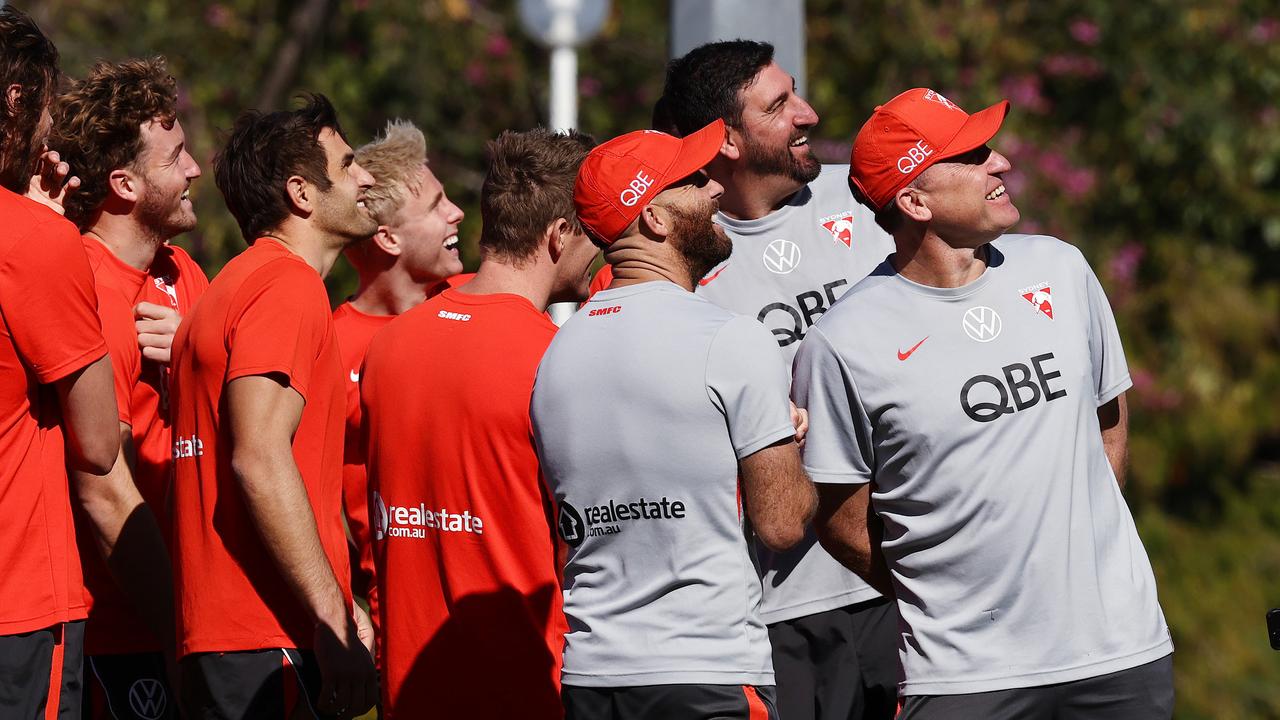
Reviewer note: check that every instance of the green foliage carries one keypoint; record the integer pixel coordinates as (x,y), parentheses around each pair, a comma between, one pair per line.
(1147,133)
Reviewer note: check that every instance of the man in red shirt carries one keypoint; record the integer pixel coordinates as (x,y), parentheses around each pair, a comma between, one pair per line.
(56,399)
(265,620)
(407,260)
(118,127)
(466,566)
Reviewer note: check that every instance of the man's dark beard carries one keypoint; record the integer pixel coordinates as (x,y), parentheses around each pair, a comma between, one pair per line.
(158,214)
(701,247)
(769,161)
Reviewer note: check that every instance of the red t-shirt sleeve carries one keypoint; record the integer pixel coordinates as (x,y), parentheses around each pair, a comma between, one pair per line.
(281,325)
(50,305)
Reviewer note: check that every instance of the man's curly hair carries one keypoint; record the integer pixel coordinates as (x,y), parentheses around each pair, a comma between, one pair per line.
(97,125)
(30,61)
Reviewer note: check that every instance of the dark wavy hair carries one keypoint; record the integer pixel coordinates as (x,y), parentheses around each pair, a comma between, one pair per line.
(704,85)
(97,125)
(30,61)
(263,151)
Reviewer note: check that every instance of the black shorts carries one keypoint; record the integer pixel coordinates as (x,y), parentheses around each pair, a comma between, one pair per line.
(276,684)
(839,664)
(1141,693)
(128,687)
(40,670)
(670,702)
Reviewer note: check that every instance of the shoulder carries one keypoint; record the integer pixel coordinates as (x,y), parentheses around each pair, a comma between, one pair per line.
(1037,248)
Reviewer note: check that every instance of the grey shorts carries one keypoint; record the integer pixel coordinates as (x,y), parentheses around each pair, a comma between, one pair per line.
(1141,693)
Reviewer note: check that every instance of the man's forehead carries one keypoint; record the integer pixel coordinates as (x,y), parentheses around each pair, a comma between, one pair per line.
(771,80)
(333,143)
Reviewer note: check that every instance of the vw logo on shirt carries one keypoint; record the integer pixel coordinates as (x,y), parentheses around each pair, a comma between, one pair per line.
(147,698)
(982,323)
(781,256)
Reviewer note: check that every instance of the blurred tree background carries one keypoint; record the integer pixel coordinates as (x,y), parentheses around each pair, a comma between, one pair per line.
(1146,133)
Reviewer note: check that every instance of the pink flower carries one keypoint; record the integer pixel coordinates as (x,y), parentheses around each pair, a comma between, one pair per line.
(1071,66)
(588,86)
(1085,32)
(219,16)
(1024,93)
(498,45)
(475,73)
(1265,30)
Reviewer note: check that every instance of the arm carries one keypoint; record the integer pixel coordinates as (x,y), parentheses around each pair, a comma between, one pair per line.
(88,402)
(1113,417)
(127,535)
(777,493)
(263,415)
(851,532)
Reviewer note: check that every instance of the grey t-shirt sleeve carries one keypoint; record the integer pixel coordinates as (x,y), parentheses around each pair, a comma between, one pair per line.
(1110,371)
(747,381)
(838,447)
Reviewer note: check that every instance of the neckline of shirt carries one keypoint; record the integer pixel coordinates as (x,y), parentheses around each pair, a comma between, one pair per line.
(637,289)
(953,293)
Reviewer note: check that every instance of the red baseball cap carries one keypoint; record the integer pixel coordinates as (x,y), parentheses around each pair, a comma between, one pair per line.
(911,132)
(618,177)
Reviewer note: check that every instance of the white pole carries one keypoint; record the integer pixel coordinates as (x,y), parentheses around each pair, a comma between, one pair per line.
(564,90)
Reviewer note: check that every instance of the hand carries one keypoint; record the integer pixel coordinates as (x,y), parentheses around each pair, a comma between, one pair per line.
(800,419)
(348,682)
(156,326)
(364,626)
(51,181)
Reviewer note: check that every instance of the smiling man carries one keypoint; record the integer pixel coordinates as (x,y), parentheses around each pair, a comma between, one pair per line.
(799,242)
(266,623)
(119,128)
(968,438)
(406,260)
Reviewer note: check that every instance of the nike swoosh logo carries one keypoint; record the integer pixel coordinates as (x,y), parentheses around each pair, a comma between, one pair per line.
(907,354)
(355,376)
(707,280)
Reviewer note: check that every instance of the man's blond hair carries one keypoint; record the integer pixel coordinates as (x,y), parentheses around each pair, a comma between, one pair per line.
(395,160)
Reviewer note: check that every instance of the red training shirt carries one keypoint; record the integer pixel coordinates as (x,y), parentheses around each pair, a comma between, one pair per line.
(265,313)
(142,394)
(49,329)
(465,559)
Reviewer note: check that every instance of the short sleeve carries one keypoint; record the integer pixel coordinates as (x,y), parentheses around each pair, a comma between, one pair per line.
(281,325)
(1106,353)
(747,381)
(837,448)
(49,303)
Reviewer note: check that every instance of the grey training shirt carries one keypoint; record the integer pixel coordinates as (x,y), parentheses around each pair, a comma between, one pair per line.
(973,411)
(788,268)
(643,405)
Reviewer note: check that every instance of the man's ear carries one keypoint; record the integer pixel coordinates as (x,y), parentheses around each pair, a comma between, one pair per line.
(386,241)
(731,148)
(300,194)
(556,235)
(655,222)
(912,203)
(123,185)
(13,99)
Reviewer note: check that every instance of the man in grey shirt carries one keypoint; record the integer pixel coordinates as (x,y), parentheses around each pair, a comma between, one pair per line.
(659,418)
(799,242)
(971,392)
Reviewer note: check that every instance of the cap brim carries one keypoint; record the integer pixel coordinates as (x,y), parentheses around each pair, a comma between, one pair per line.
(696,150)
(977,130)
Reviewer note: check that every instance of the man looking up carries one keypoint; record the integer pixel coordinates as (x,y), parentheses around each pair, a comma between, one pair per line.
(968,432)
(56,398)
(650,404)
(799,242)
(465,555)
(265,615)
(119,128)
(407,260)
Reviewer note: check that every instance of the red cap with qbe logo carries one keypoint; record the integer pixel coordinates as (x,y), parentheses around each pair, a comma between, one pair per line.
(619,177)
(911,132)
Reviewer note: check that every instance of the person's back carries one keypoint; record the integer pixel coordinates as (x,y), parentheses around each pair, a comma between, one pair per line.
(463,543)
(461,514)
(660,583)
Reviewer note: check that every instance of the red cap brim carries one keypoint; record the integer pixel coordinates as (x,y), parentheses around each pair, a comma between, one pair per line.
(696,150)
(976,131)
